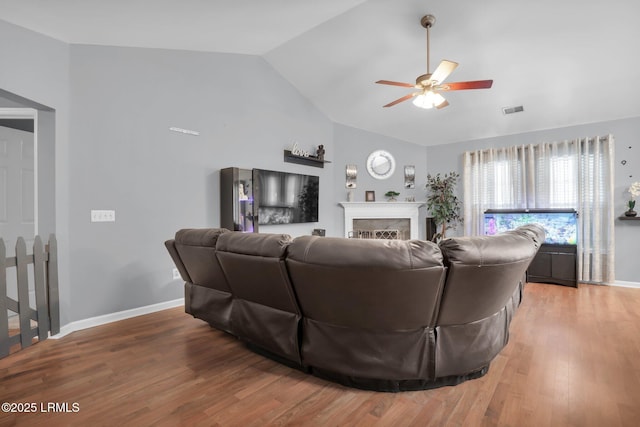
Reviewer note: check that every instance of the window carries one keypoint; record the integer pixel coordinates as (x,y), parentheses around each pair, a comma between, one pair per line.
(569,174)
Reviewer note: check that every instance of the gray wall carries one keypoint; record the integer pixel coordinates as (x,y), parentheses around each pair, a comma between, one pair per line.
(353,146)
(36,68)
(46,131)
(445,158)
(8,103)
(124,157)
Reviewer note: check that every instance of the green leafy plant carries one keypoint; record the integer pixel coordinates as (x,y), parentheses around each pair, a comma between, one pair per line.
(391,194)
(442,203)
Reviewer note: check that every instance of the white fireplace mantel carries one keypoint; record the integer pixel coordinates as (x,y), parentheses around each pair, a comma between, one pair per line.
(382,210)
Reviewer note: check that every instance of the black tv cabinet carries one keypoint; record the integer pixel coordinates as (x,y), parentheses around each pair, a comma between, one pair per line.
(557,264)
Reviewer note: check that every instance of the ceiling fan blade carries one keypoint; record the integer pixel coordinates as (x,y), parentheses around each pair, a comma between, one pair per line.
(399,100)
(444,69)
(442,105)
(476,84)
(388,82)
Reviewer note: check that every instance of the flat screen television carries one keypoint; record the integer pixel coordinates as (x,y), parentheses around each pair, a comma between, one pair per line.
(560,225)
(285,198)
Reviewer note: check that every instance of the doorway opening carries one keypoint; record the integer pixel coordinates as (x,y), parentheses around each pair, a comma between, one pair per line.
(27,180)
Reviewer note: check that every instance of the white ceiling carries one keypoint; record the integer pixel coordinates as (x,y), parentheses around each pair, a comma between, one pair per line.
(567,62)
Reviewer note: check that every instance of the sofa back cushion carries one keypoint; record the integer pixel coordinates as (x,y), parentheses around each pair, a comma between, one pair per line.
(173,252)
(265,312)
(254,266)
(366,284)
(196,249)
(484,272)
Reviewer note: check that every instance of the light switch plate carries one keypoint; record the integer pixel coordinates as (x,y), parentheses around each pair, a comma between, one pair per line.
(176,274)
(103,216)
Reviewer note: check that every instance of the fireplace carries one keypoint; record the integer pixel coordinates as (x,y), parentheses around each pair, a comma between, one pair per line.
(382,228)
(379,216)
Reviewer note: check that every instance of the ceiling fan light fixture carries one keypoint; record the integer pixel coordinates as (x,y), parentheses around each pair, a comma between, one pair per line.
(428,99)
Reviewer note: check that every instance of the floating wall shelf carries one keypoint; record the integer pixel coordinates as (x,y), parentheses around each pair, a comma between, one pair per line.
(629,218)
(289,157)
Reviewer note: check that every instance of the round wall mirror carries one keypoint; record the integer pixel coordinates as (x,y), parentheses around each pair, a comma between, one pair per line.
(381,164)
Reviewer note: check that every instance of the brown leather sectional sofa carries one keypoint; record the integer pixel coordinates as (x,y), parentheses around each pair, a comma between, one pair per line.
(385,315)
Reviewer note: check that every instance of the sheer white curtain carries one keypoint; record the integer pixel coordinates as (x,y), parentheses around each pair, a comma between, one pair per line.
(574,174)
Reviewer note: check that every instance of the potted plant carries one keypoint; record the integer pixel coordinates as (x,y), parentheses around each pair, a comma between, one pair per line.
(391,195)
(634,190)
(442,203)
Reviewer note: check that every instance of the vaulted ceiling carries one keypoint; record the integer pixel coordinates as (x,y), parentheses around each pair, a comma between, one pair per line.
(566,62)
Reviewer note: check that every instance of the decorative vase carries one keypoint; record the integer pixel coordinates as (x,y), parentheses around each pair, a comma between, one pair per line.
(392,199)
(631,213)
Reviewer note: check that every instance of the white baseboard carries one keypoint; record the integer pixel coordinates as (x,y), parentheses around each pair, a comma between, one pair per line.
(114,317)
(624,284)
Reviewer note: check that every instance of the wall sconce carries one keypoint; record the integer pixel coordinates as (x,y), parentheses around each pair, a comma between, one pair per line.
(352,175)
(409,176)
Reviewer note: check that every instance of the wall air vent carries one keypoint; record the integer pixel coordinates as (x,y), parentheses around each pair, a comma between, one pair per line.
(511,110)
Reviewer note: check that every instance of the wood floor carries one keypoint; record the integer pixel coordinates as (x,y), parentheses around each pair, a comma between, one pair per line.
(573,360)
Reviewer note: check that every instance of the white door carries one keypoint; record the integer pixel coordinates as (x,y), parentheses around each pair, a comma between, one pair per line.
(17,197)
(17,187)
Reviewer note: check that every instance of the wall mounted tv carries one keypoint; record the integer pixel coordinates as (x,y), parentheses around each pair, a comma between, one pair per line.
(560,225)
(285,198)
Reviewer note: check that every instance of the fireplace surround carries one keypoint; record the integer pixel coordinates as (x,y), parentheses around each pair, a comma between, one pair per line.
(392,211)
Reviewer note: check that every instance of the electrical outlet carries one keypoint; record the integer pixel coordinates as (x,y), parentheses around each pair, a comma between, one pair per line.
(103,215)
(176,274)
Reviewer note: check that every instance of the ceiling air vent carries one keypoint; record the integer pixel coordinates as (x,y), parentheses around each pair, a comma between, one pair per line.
(511,110)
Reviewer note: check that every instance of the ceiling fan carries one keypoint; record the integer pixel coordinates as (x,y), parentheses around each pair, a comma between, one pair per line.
(430,85)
